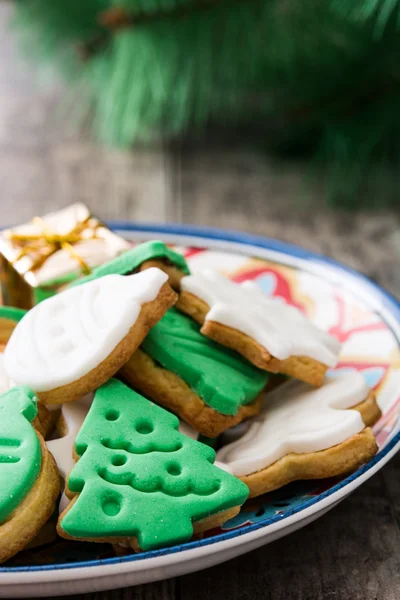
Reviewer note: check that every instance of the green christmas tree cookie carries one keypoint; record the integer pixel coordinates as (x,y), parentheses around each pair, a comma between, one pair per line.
(139,478)
(130,261)
(221,378)
(20,454)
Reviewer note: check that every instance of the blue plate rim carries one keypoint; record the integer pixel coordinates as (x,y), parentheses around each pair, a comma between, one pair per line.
(246,239)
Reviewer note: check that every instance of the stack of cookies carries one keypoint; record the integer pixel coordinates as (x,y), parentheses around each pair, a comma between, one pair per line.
(145,404)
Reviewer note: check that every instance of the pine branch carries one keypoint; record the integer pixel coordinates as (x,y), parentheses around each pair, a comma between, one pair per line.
(325,71)
(381,12)
(118,18)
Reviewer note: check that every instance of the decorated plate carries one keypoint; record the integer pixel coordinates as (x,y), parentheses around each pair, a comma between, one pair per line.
(362,316)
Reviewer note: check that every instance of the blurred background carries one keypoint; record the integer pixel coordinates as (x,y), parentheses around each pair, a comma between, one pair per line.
(279,118)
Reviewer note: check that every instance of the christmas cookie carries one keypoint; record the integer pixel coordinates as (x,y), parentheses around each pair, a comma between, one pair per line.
(306,433)
(141,257)
(29,480)
(70,344)
(70,422)
(73,414)
(207,385)
(9,317)
(139,481)
(269,333)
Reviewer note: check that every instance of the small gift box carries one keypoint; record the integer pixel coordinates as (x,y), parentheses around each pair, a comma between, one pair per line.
(39,258)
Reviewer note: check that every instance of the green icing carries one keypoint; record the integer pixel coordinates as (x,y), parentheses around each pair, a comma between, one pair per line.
(131,260)
(139,476)
(20,454)
(220,377)
(11,313)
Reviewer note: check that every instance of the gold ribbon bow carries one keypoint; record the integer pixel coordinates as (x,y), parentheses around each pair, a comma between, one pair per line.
(47,242)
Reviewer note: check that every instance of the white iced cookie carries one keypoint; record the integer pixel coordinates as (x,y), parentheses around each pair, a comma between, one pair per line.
(60,345)
(269,333)
(298,419)
(73,415)
(282,329)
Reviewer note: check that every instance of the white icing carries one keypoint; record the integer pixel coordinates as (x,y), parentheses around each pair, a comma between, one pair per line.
(64,337)
(74,414)
(223,466)
(298,418)
(281,329)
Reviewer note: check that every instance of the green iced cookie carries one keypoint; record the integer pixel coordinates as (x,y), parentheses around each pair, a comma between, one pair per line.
(138,476)
(220,377)
(130,261)
(20,455)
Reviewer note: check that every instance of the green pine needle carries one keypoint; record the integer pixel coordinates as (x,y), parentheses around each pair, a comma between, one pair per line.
(323,70)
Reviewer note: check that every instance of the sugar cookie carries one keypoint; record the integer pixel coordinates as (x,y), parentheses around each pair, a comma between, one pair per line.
(9,317)
(269,333)
(306,433)
(139,480)
(141,257)
(70,344)
(29,480)
(207,385)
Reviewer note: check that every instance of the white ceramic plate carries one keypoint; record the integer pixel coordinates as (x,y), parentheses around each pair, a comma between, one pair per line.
(366,320)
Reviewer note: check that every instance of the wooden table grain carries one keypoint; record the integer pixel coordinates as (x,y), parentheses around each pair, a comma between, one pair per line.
(351,553)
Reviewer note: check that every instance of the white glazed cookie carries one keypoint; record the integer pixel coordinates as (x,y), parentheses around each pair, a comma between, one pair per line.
(71,343)
(271,334)
(73,415)
(297,427)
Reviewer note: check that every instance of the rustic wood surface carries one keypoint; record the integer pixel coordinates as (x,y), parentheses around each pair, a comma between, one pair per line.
(353,552)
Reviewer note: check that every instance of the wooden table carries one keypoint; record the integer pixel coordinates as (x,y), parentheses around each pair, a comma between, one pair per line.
(353,552)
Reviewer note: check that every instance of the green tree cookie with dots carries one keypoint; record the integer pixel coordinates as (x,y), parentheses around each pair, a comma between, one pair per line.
(138,476)
(20,454)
